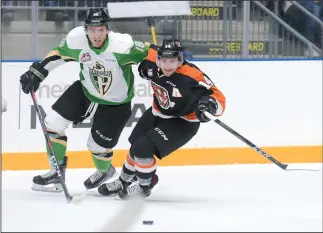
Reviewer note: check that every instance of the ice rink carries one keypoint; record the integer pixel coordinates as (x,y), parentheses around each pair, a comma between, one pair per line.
(202,198)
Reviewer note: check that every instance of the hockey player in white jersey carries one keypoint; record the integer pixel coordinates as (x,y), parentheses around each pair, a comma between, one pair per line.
(104,91)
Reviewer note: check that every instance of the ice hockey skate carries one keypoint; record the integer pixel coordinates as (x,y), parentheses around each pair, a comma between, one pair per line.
(135,189)
(99,177)
(114,187)
(49,182)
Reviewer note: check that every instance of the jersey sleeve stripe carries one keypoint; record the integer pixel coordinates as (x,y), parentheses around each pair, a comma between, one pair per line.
(54,59)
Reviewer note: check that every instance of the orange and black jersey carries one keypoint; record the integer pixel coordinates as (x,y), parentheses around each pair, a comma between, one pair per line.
(177,95)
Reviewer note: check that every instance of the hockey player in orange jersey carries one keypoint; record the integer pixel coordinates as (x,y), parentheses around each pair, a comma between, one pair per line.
(182,92)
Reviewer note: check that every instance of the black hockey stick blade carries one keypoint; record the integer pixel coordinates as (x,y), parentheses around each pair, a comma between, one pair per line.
(297,167)
(78,198)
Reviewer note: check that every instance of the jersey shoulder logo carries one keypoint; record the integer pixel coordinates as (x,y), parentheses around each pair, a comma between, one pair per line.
(85,57)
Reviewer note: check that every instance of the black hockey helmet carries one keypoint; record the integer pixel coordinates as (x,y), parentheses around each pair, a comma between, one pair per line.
(97,17)
(170,49)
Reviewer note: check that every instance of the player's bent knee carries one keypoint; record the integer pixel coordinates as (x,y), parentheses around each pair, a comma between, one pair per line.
(103,140)
(99,153)
(95,148)
(142,148)
(55,123)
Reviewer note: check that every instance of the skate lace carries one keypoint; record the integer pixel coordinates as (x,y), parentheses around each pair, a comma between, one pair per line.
(115,185)
(48,174)
(134,189)
(96,176)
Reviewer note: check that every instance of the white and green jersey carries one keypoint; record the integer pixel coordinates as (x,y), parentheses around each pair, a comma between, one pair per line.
(105,73)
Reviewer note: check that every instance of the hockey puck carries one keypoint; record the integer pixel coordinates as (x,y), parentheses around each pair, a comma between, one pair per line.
(148,222)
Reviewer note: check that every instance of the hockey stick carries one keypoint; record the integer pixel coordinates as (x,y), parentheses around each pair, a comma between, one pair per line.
(256,148)
(52,154)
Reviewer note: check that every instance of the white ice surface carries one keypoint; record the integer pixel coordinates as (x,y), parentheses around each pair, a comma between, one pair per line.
(201,198)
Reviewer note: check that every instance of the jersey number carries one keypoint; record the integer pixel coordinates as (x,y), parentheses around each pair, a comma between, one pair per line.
(62,42)
(139,46)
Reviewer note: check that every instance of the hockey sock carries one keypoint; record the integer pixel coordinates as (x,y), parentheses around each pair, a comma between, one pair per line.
(145,169)
(59,146)
(102,162)
(143,151)
(128,169)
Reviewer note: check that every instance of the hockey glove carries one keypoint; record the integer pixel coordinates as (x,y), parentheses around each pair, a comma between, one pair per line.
(206,103)
(144,71)
(33,77)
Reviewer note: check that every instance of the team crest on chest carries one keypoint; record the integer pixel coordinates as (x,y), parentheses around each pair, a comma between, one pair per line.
(162,96)
(101,78)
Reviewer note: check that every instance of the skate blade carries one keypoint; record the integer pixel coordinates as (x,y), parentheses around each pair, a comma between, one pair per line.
(50,188)
(91,193)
